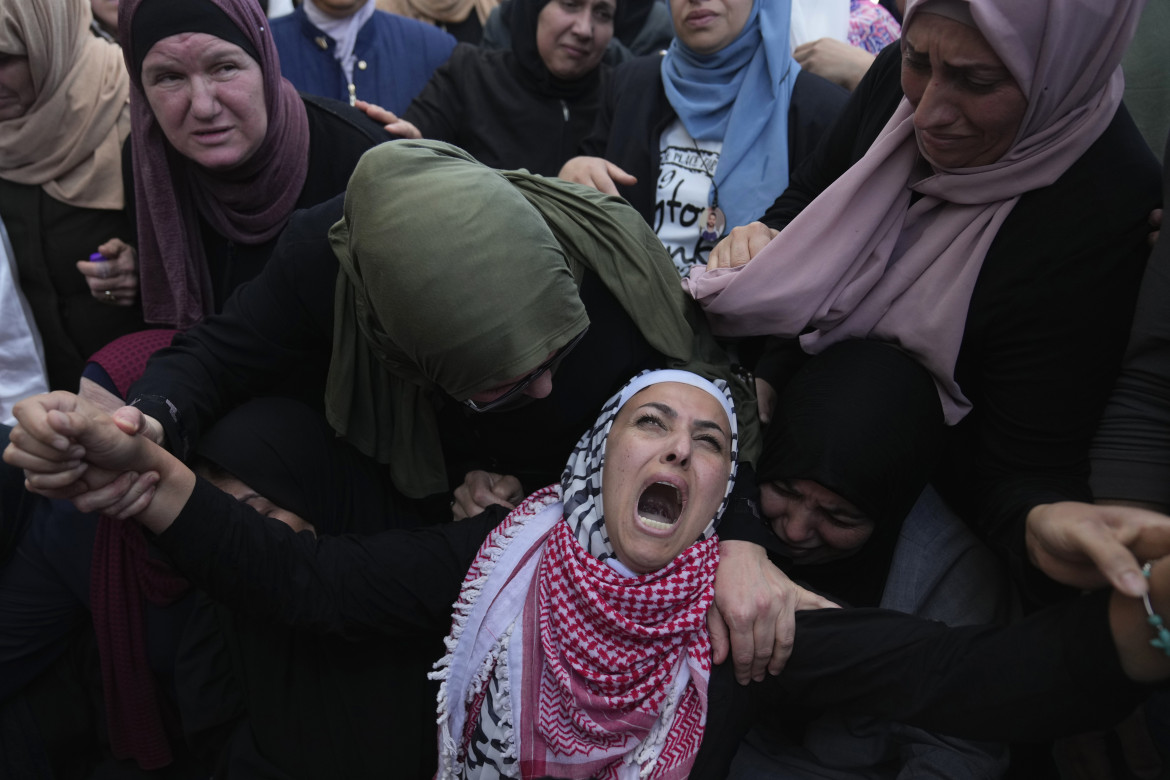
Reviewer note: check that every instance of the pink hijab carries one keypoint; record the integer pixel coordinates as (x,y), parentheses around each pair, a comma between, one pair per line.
(248,204)
(862,262)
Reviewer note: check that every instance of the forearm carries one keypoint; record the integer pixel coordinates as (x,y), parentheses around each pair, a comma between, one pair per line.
(396,583)
(1055,673)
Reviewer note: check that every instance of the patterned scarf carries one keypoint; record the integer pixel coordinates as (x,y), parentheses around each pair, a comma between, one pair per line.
(561,661)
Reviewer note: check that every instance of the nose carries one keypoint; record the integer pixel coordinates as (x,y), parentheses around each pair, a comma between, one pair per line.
(540,387)
(935,108)
(583,23)
(798,525)
(204,102)
(678,449)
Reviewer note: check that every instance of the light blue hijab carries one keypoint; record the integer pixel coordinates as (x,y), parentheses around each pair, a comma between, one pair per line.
(740,95)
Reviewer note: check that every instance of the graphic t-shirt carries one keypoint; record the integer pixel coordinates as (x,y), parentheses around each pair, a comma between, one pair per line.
(686,170)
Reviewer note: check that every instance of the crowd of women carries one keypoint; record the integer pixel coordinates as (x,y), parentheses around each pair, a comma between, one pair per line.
(385,440)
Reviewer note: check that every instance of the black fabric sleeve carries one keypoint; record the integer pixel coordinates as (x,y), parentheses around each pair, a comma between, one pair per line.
(398,583)
(846,140)
(594,144)
(1131,454)
(437,111)
(278,325)
(1045,336)
(1053,674)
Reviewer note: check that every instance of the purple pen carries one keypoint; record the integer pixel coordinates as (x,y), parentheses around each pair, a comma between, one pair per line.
(97,257)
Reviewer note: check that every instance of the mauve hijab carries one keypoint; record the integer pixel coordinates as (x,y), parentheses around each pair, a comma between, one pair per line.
(248,204)
(903,272)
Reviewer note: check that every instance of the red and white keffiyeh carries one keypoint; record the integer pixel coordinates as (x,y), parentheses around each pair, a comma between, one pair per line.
(561,662)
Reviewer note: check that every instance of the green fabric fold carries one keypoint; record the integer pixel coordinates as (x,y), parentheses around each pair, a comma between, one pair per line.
(456,278)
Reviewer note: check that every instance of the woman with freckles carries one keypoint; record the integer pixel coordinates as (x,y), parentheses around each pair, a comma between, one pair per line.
(578,645)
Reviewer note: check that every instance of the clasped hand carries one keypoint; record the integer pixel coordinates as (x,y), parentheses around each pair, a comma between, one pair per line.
(70,448)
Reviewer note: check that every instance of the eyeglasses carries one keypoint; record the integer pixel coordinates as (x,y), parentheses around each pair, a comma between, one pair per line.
(520,386)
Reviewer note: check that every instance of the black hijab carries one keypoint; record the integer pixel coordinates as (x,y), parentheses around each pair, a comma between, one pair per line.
(287,453)
(522,21)
(862,419)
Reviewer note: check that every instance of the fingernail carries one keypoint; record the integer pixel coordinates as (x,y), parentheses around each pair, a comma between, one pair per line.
(1133,584)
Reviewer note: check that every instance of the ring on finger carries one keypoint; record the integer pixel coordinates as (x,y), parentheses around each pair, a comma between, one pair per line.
(109,296)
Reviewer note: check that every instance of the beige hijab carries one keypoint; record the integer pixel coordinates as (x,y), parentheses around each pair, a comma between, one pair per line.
(70,140)
(435,11)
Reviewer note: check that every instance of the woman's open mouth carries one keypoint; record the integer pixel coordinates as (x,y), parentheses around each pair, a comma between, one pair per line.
(660,506)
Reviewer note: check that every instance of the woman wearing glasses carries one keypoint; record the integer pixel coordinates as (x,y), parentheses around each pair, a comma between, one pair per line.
(458,324)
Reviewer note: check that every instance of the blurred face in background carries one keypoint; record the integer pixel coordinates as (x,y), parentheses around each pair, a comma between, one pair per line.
(708,26)
(571,36)
(16,87)
(106,14)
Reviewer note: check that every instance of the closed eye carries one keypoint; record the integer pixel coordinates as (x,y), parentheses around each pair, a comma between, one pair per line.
(650,421)
(712,441)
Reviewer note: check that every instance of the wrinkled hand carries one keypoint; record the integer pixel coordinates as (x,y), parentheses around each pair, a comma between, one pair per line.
(481,489)
(390,121)
(754,614)
(596,172)
(740,245)
(834,60)
(114,280)
(1090,545)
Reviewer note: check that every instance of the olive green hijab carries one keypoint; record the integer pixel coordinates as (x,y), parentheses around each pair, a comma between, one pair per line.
(456,278)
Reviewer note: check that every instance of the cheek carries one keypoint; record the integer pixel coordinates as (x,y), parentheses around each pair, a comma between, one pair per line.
(1002,117)
(168,108)
(845,540)
(913,85)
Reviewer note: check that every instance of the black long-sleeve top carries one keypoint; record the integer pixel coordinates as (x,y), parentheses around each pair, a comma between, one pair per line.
(1055,673)
(275,336)
(1048,318)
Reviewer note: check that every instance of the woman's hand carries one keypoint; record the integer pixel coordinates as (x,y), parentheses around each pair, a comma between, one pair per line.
(389,120)
(741,245)
(481,489)
(754,614)
(115,279)
(1090,545)
(598,173)
(47,443)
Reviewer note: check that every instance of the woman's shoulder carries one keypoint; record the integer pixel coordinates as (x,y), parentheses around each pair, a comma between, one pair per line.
(643,70)
(331,117)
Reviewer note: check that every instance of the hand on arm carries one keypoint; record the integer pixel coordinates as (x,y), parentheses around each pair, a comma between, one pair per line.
(596,172)
(116,275)
(1090,545)
(754,614)
(741,245)
(390,121)
(481,489)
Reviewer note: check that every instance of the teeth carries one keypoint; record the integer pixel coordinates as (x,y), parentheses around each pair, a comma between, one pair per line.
(655,524)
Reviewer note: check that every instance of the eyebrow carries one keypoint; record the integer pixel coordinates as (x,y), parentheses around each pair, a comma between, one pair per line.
(672,414)
(977,67)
